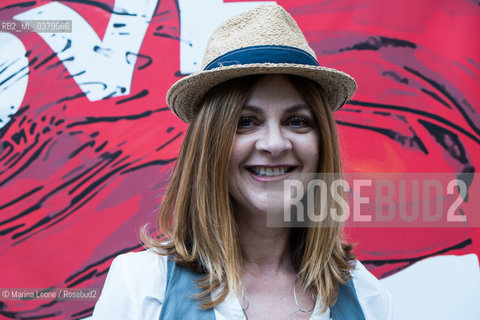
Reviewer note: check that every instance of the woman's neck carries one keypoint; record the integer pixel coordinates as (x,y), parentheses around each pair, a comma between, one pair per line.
(265,249)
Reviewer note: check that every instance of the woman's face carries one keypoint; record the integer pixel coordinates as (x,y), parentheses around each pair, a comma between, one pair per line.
(277,138)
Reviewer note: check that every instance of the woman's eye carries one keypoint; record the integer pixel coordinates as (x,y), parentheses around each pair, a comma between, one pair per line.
(298,122)
(245,122)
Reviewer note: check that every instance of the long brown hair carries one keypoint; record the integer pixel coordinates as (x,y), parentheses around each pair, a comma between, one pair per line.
(196,219)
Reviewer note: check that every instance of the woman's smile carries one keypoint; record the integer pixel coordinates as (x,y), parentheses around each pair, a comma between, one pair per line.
(270,171)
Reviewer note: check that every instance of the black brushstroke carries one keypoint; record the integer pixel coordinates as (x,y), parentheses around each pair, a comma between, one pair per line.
(382,113)
(11,229)
(179,74)
(33,61)
(436,97)
(13,118)
(170,141)
(119,25)
(44,61)
(20,315)
(21,5)
(448,140)
(441,88)
(68,45)
(160,13)
(94,82)
(101,273)
(100,262)
(22,197)
(377,43)
(25,151)
(139,95)
(22,121)
(93,120)
(120,161)
(73,171)
(61,62)
(83,146)
(395,136)
(110,157)
(6,145)
(12,158)
(148,59)
(83,278)
(69,76)
(68,98)
(109,95)
(82,314)
(166,35)
(29,161)
(151,163)
(458,246)
(21,214)
(3,70)
(18,136)
(417,112)
(395,76)
(467,175)
(14,74)
(98,149)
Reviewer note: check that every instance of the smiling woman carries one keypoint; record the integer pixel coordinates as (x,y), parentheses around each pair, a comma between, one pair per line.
(253,125)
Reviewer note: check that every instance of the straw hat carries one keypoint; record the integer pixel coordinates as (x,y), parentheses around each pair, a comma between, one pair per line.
(263,40)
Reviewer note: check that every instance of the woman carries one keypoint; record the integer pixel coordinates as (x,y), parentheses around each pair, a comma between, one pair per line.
(260,112)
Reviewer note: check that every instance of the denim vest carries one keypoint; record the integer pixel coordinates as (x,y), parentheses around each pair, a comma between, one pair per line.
(181,289)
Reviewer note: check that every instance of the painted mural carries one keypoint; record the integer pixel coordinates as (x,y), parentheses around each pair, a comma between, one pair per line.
(87,141)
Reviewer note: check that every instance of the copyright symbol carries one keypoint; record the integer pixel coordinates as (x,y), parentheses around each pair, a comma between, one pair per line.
(5,293)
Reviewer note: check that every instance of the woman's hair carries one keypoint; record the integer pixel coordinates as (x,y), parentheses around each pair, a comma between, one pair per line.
(196,221)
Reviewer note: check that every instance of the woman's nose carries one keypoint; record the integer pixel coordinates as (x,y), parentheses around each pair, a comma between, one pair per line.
(273,140)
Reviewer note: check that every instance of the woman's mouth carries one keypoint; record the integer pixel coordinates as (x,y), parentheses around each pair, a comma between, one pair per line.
(264,171)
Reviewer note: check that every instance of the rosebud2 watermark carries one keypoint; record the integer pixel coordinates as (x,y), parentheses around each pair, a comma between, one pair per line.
(49,294)
(375,200)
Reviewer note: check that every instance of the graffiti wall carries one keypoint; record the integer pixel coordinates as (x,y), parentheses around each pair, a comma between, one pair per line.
(87,142)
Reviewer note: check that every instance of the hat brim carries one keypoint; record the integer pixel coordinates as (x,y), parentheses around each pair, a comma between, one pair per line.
(186,94)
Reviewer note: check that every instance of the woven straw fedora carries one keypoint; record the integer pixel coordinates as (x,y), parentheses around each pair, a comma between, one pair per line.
(263,40)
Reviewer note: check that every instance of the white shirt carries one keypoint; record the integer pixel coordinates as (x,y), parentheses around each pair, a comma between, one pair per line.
(135,289)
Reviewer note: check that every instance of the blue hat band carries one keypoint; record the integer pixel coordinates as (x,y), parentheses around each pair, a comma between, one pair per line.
(263,54)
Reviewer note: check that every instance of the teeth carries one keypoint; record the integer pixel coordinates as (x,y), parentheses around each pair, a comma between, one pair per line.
(269,172)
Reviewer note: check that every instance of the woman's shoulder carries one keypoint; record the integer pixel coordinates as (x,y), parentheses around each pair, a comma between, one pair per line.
(141,262)
(144,272)
(374,299)
(134,287)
